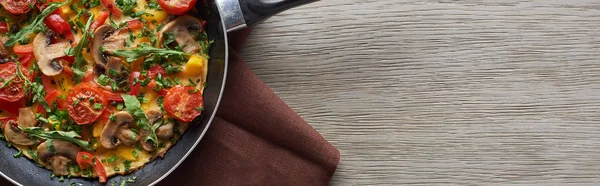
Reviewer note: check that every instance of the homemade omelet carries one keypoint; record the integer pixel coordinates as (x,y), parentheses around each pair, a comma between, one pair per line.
(94,88)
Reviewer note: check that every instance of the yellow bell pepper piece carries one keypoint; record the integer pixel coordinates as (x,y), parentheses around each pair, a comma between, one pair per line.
(195,65)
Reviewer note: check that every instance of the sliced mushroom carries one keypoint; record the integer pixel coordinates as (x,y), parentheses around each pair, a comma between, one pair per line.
(113,64)
(163,132)
(12,131)
(118,132)
(110,40)
(14,135)
(181,28)
(46,53)
(64,153)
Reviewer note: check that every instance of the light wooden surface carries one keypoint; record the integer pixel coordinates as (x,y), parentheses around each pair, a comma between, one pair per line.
(441,92)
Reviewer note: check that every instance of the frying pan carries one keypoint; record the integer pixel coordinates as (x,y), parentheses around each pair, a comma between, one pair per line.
(222,16)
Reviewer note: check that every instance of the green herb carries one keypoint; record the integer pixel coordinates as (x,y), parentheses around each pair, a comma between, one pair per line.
(127,165)
(7,82)
(34,89)
(112,118)
(113,72)
(132,105)
(135,153)
(154,5)
(97,106)
(75,102)
(126,5)
(111,159)
(70,136)
(144,50)
(172,69)
(169,37)
(37,22)
(18,154)
(79,65)
(120,106)
(192,83)
(200,109)
(114,86)
(94,3)
(103,80)
(50,146)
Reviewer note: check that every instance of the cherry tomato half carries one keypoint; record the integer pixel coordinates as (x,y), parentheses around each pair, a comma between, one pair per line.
(184,103)
(177,7)
(86,159)
(155,70)
(112,7)
(12,87)
(85,103)
(17,6)
(12,107)
(57,23)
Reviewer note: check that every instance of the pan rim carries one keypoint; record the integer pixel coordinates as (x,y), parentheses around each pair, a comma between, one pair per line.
(210,120)
(225,39)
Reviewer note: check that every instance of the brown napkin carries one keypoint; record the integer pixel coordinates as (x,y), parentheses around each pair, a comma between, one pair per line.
(256,139)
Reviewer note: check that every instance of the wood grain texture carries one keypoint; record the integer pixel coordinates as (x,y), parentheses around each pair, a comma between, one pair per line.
(443,92)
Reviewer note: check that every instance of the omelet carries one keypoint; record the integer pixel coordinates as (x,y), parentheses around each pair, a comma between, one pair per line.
(95,88)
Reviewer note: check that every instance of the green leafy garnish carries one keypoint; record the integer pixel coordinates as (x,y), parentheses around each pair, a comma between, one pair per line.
(133,106)
(144,50)
(70,136)
(79,65)
(37,22)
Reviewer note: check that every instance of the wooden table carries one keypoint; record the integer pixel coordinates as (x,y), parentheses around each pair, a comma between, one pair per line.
(443,91)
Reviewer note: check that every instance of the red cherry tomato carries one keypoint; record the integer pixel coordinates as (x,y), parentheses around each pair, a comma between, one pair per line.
(184,103)
(85,103)
(135,88)
(57,23)
(3,27)
(102,16)
(112,96)
(17,6)
(112,7)
(155,70)
(86,159)
(135,24)
(12,90)
(24,60)
(177,7)
(12,107)
(23,49)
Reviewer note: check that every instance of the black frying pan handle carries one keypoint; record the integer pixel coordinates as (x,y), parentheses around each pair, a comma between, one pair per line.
(255,11)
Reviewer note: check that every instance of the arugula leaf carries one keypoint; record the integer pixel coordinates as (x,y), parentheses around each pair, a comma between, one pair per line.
(126,5)
(79,66)
(70,136)
(133,106)
(144,50)
(37,22)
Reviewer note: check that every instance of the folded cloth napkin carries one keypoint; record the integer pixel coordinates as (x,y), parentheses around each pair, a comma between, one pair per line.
(255,139)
